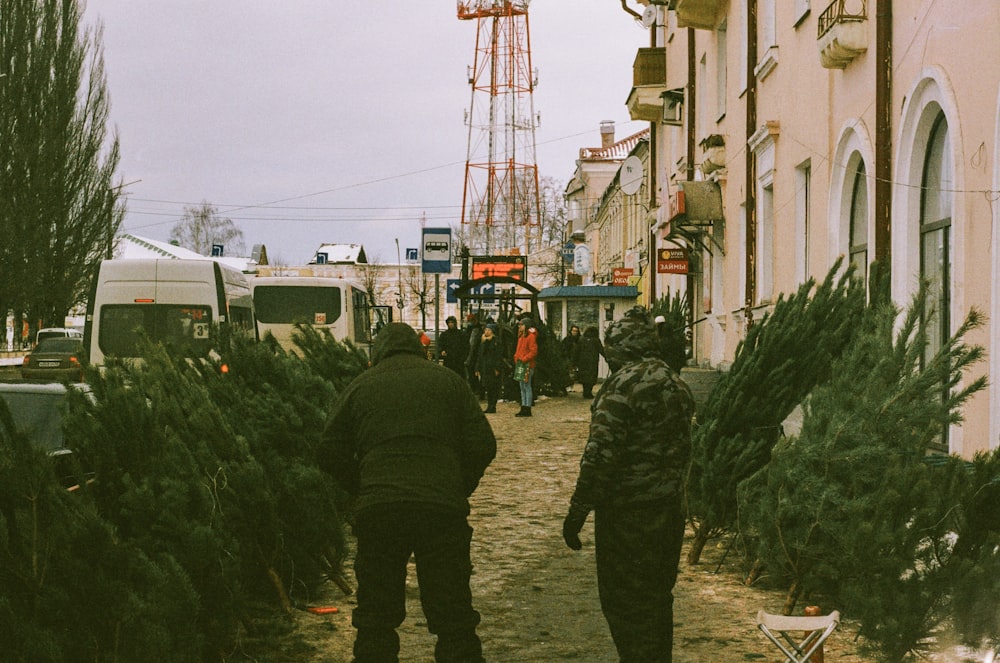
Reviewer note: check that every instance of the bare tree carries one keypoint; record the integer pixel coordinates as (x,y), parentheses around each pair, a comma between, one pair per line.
(418,285)
(202,227)
(553,213)
(371,278)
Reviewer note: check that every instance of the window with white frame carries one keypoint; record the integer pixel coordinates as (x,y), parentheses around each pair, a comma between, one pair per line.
(935,232)
(801,10)
(765,244)
(858,222)
(935,241)
(803,200)
(767,36)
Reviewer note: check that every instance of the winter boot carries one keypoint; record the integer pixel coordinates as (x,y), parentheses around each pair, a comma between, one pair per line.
(525,411)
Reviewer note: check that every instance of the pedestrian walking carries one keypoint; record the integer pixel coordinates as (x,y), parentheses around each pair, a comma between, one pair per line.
(425,343)
(474,333)
(589,351)
(407,440)
(524,363)
(453,346)
(631,475)
(569,347)
(489,366)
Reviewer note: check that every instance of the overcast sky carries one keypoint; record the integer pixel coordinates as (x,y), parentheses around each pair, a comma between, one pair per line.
(325,121)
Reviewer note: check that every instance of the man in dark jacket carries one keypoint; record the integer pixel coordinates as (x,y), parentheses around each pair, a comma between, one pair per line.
(453,346)
(407,440)
(631,475)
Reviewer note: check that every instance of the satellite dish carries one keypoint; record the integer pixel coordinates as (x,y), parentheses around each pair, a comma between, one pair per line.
(648,16)
(630,175)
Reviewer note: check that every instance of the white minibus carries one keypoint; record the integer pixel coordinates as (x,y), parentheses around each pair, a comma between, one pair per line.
(170,301)
(337,305)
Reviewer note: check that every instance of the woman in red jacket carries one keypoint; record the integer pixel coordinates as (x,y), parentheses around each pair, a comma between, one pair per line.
(527,351)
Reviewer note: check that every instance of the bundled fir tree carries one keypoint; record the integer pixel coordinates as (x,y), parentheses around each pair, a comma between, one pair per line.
(71,588)
(673,335)
(853,510)
(339,362)
(778,363)
(215,472)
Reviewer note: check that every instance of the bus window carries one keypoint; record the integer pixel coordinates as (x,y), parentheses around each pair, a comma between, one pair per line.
(242,318)
(362,319)
(289,305)
(182,329)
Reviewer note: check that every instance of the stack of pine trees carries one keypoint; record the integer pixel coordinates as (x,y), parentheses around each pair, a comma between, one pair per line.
(780,361)
(206,506)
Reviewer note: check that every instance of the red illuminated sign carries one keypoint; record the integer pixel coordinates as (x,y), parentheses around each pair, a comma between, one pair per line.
(514,267)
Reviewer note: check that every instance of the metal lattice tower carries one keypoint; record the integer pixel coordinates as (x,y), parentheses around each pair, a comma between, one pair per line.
(500,201)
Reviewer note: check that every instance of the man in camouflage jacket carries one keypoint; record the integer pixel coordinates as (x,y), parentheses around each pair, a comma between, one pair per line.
(631,476)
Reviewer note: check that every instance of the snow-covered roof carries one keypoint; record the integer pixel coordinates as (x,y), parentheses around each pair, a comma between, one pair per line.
(615,151)
(341,253)
(133,247)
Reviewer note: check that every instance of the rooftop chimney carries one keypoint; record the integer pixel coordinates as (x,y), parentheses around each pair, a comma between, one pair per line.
(607,133)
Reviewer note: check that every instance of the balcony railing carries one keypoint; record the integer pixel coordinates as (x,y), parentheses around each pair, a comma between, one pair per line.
(649,81)
(842,33)
(842,11)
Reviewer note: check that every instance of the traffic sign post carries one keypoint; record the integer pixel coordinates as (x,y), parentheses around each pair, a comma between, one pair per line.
(436,245)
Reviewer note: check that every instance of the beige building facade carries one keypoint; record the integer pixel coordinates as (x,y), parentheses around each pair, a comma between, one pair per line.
(867,129)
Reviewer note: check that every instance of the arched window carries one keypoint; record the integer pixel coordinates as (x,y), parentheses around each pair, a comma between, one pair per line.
(935,239)
(859,222)
(935,232)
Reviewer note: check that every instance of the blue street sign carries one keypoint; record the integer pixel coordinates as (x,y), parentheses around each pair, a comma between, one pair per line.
(451,285)
(568,250)
(452,288)
(412,255)
(436,243)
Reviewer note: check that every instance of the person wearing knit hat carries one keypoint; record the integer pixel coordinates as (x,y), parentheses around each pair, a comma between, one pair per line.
(632,476)
(453,346)
(526,353)
(407,441)
(489,366)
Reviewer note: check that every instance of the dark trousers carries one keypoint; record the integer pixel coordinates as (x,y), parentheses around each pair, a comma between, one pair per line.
(638,551)
(491,383)
(439,542)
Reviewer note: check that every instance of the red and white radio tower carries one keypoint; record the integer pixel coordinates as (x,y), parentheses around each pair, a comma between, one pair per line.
(500,201)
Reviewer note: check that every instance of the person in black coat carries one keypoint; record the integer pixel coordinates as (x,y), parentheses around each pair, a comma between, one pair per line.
(490,365)
(407,441)
(589,351)
(453,347)
(569,346)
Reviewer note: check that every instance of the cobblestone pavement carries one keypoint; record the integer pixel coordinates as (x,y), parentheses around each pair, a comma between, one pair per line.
(538,599)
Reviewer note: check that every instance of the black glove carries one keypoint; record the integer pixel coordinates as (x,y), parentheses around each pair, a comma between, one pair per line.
(572,526)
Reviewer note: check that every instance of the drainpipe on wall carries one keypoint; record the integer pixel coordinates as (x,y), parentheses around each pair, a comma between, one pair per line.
(883,133)
(751,170)
(654,137)
(692,118)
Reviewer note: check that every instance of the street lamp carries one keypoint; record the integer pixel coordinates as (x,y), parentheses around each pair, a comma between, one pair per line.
(399,274)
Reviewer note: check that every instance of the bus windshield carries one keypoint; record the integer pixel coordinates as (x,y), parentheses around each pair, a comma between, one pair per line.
(288,304)
(181,329)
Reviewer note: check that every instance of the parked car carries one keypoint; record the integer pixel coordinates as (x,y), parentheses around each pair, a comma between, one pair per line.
(57,359)
(57,332)
(37,410)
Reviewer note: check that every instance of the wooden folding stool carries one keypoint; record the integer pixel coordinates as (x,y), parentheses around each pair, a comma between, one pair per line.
(812,630)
